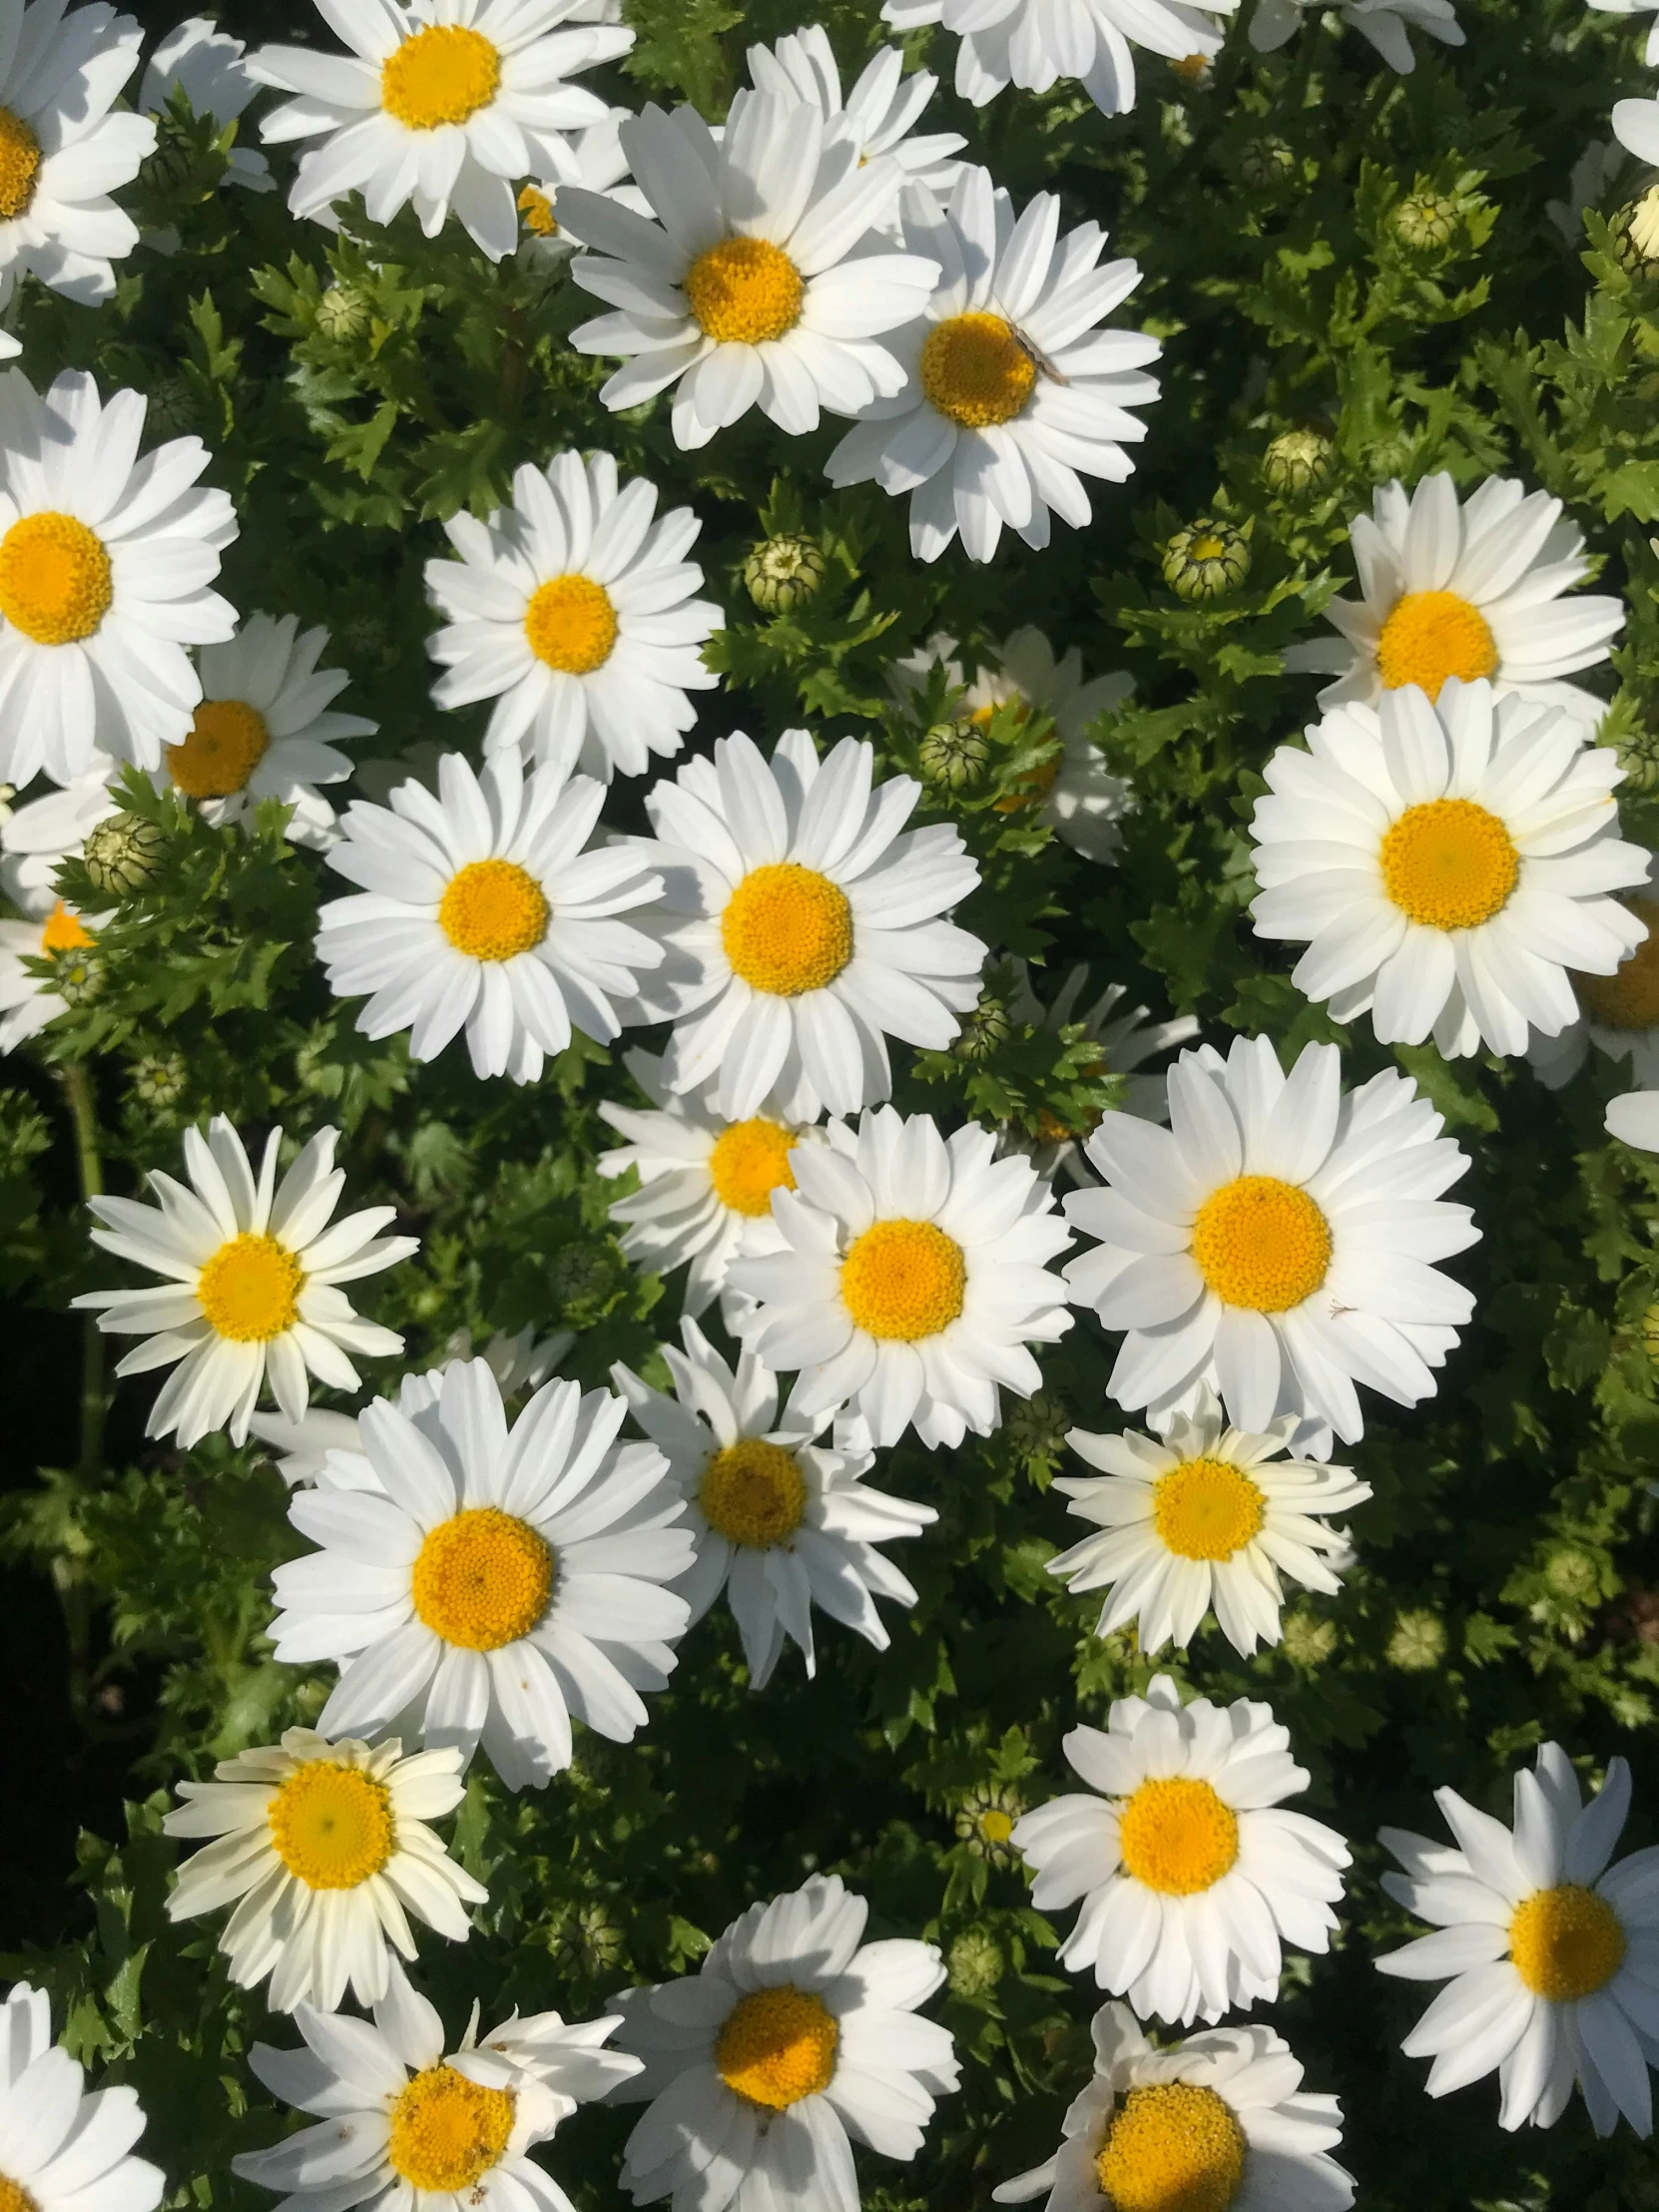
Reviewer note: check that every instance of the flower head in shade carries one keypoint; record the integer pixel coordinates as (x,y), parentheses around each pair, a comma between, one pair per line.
(592,158)
(880,112)
(1617,1013)
(1123,1043)
(206,64)
(63,2148)
(1029,44)
(1387,24)
(1548,1945)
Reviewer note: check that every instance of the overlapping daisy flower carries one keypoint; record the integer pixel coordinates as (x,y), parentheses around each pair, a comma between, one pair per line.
(592,158)
(1387,24)
(208,66)
(1447,865)
(572,610)
(1548,1945)
(1191,1874)
(1124,1042)
(63,2148)
(324,1850)
(253,1271)
(1634,1119)
(1617,1013)
(881,111)
(1278,1243)
(794,2040)
(1029,44)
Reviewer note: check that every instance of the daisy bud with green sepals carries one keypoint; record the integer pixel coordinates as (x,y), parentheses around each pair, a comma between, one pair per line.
(1298,461)
(780,574)
(342,314)
(77,974)
(55,931)
(954,755)
(1208,559)
(62,2149)
(1425,222)
(1038,1426)
(123,855)
(586,1942)
(984,1032)
(975,1964)
(986,1821)
(1266,162)
(158,1080)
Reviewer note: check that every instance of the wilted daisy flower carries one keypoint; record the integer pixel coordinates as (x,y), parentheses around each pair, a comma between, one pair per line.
(1215,2124)
(206,64)
(1633,1118)
(1617,1013)
(878,112)
(1447,865)
(572,609)
(326,1848)
(486,908)
(792,2037)
(1276,1242)
(1209,1517)
(756,283)
(1551,1954)
(1191,1875)
(1012,394)
(1027,43)
(1124,1042)
(441,105)
(493,1582)
(592,158)
(780,1521)
(63,2148)
(915,1278)
(105,560)
(29,1001)
(1470,589)
(1385,23)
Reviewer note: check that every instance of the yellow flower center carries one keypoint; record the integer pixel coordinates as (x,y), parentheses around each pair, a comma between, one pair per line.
(19,167)
(787,929)
(331,1826)
(997,1826)
(1207,1510)
(974,371)
(777,2046)
(750,1161)
(1566,1943)
(227,742)
(1177,1837)
(1629,997)
(15,2198)
(1171,2147)
(1431,635)
(64,930)
(1261,1243)
(744,291)
(493,911)
(446,2131)
(482,1579)
(55,580)
(753,1493)
(571,624)
(902,1280)
(1207,549)
(250,1289)
(439,75)
(1448,863)
(537,210)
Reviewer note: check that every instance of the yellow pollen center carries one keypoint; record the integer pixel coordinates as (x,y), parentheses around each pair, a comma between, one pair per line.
(1261,1243)
(446,2131)
(1566,1943)
(1629,997)
(227,742)
(439,75)
(1206,1509)
(64,930)
(250,1290)
(1171,2147)
(997,1826)
(1431,635)
(493,911)
(331,1826)
(19,167)
(571,624)
(1177,1837)
(744,291)
(787,929)
(974,371)
(55,580)
(1207,549)
(750,1161)
(537,210)
(15,2198)
(482,1579)
(777,2046)
(1448,863)
(753,1493)
(902,1280)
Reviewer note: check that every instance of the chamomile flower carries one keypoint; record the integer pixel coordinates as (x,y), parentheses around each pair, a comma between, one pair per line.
(485,908)
(105,563)
(572,610)
(1633,1118)
(1027,43)
(327,1852)
(880,111)
(592,158)
(1012,394)
(794,2040)
(757,281)
(1216,2121)
(206,64)
(1551,1952)
(781,1520)
(1277,1244)
(1191,1874)
(1466,588)
(1123,1042)
(1617,1013)
(492,1582)
(1447,865)
(252,1272)
(915,1278)
(28,1002)
(807,926)
(63,2148)
(1385,23)
(441,105)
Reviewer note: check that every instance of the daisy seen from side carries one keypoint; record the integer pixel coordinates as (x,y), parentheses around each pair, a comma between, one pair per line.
(208,66)
(63,2147)
(880,111)
(592,158)
(1024,43)
(37,837)
(1384,24)
(1617,1013)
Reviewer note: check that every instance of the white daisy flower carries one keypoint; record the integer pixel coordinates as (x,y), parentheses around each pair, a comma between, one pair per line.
(1447,865)
(915,1278)
(1550,1953)
(1123,1042)
(1190,1875)
(1029,44)
(805,921)
(1467,589)
(759,281)
(327,1849)
(206,64)
(252,1272)
(486,908)
(1650,52)
(792,2042)
(29,1001)
(1214,2123)
(1276,1244)
(63,2148)
(573,610)
(880,111)
(1617,1013)
(1633,1118)
(493,1582)
(105,563)
(1011,392)
(592,158)
(1385,23)
(780,1520)
(37,837)
(441,105)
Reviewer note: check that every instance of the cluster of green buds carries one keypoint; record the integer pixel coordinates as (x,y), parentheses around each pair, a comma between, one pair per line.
(1208,559)
(780,574)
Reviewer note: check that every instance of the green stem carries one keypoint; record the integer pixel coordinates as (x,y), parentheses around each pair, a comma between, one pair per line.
(1233,57)
(89,1163)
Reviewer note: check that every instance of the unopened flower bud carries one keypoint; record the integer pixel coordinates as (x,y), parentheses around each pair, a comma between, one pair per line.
(123,854)
(782,574)
(1298,461)
(954,755)
(1206,559)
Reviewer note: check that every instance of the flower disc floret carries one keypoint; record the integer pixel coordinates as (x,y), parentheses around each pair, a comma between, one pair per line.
(250,1289)
(1566,1943)
(744,291)
(1207,1510)
(444,73)
(1261,1243)
(56,584)
(1629,997)
(494,911)
(332,1826)
(1171,2146)
(571,624)
(787,929)
(1431,635)
(19,165)
(482,1579)
(227,741)
(974,371)
(749,1162)
(752,1492)
(902,1280)
(1177,1837)
(777,2046)
(447,2131)
(1449,863)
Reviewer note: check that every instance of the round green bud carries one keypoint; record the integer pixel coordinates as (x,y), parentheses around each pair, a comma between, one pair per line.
(986,1821)
(1573,1575)
(1308,1641)
(1425,222)
(342,314)
(1634,232)
(123,854)
(77,974)
(954,756)
(1298,461)
(1417,1641)
(1638,755)
(1038,1426)
(173,408)
(586,1942)
(982,1030)
(1206,560)
(780,574)
(1266,162)
(158,1080)
(169,168)
(583,1274)
(975,1963)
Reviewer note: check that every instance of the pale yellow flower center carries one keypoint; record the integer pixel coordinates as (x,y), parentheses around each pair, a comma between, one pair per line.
(902,1280)
(63,931)
(1566,1943)
(777,2046)
(1629,997)
(744,291)
(1261,1243)
(1177,1837)
(1207,1510)
(750,1161)
(442,74)
(787,929)
(1430,635)
(753,1493)
(571,624)
(19,165)
(1448,863)
(493,911)
(250,1289)
(482,1579)
(974,371)
(331,1826)
(227,742)
(448,2132)
(1171,2146)
(55,579)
